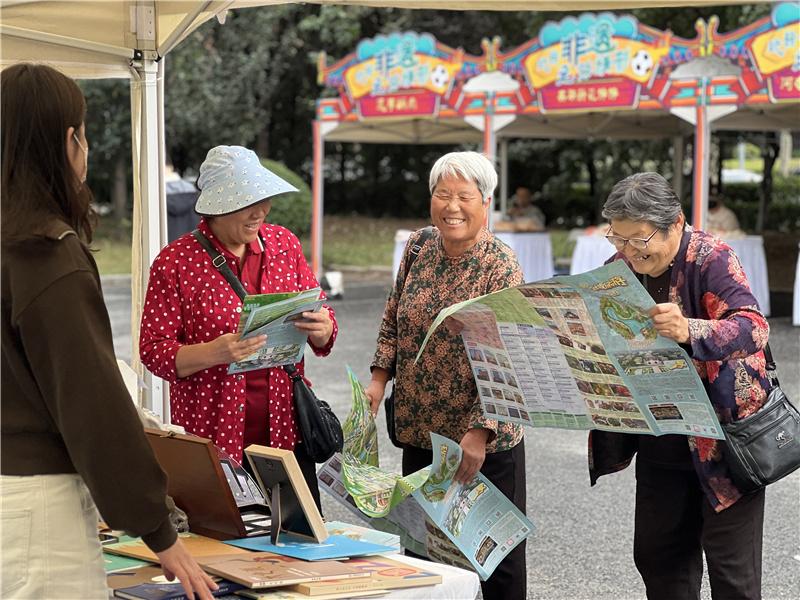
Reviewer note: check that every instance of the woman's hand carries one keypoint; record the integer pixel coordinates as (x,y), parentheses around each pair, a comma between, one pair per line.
(375,392)
(317,325)
(224,350)
(177,562)
(473,446)
(230,347)
(670,322)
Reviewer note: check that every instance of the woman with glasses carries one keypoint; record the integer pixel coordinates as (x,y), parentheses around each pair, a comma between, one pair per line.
(459,260)
(686,504)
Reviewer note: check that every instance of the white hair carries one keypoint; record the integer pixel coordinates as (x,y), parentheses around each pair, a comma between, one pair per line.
(470,166)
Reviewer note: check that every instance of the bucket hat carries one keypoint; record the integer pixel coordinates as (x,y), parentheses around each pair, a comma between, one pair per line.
(232,178)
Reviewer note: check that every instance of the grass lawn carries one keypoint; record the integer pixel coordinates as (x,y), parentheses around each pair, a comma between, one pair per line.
(352,241)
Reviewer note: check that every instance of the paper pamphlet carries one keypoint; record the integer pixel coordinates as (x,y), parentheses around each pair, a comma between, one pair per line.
(580,352)
(274,315)
(434,515)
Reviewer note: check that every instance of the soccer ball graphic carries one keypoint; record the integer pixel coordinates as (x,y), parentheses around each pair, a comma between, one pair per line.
(642,63)
(439,76)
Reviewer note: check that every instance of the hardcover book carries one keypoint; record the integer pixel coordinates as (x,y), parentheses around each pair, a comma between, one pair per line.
(257,570)
(196,545)
(383,574)
(170,590)
(285,594)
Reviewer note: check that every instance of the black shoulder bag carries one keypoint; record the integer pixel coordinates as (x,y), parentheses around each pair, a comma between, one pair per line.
(388,404)
(765,446)
(321,429)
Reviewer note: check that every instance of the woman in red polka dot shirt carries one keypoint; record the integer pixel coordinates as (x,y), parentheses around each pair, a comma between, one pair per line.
(191,312)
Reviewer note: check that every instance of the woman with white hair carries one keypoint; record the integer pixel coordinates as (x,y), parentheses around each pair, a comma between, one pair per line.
(459,260)
(191,313)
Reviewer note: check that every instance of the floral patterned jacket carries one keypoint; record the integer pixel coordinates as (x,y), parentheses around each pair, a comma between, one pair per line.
(439,393)
(727,334)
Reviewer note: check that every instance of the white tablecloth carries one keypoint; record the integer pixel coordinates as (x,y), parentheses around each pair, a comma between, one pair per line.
(457,584)
(750,251)
(534,252)
(592,251)
(796,309)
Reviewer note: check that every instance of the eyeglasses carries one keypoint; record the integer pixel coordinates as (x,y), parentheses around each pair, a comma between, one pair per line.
(445,196)
(638,243)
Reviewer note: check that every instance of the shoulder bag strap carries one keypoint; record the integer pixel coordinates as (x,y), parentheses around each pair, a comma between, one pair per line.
(219,261)
(427,233)
(413,253)
(772,368)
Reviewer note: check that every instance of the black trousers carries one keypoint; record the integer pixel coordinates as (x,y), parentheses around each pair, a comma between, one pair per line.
(675,524)
(506,470)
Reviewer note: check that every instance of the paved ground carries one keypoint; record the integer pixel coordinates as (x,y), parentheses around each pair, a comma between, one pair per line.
(582,546)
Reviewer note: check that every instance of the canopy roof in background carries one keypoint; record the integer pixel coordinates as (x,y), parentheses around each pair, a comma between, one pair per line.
(96,38)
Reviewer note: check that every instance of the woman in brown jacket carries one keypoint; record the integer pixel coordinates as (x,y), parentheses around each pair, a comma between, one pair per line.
(71,439)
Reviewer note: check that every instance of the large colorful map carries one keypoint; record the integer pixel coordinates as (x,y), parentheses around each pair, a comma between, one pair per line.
(580,352)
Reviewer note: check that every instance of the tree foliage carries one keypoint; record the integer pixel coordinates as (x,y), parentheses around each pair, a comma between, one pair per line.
(253,82)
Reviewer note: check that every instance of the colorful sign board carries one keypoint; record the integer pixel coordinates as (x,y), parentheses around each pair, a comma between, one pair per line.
(587,62)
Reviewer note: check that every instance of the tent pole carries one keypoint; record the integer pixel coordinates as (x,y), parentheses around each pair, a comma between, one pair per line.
(504,176)
(678,148)
(702,139)
(317,200)
(148,208)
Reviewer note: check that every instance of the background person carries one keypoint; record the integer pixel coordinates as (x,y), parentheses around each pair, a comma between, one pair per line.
(686,504)
(721,219)
(524,212)
(191,313)
(462,260)
(70,433)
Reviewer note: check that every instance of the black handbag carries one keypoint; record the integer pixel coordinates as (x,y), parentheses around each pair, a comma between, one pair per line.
(319,426)
(322,431)
(388,403)
(765,446)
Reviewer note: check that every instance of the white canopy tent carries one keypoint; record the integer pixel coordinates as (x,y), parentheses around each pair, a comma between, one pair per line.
(129,38)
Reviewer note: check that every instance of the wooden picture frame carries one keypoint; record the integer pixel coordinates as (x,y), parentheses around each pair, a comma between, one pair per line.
(198,485)
(279,475)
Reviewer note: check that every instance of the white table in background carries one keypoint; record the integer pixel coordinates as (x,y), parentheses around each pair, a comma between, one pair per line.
(796,308)
(457,584)
(750,251)
(534,252)
(591,251)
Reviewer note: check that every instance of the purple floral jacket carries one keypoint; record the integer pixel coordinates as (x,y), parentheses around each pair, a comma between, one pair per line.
(727,334)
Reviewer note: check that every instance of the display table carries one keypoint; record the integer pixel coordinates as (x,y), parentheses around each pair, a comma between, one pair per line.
(796,308)
(457,584)
(591,251)
(750,251)
(534,252)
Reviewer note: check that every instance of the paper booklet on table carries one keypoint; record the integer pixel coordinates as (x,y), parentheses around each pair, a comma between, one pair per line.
(274,315)
(221,500)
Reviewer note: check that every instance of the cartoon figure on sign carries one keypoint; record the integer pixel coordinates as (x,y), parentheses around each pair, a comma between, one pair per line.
(642,63)
(440,76)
